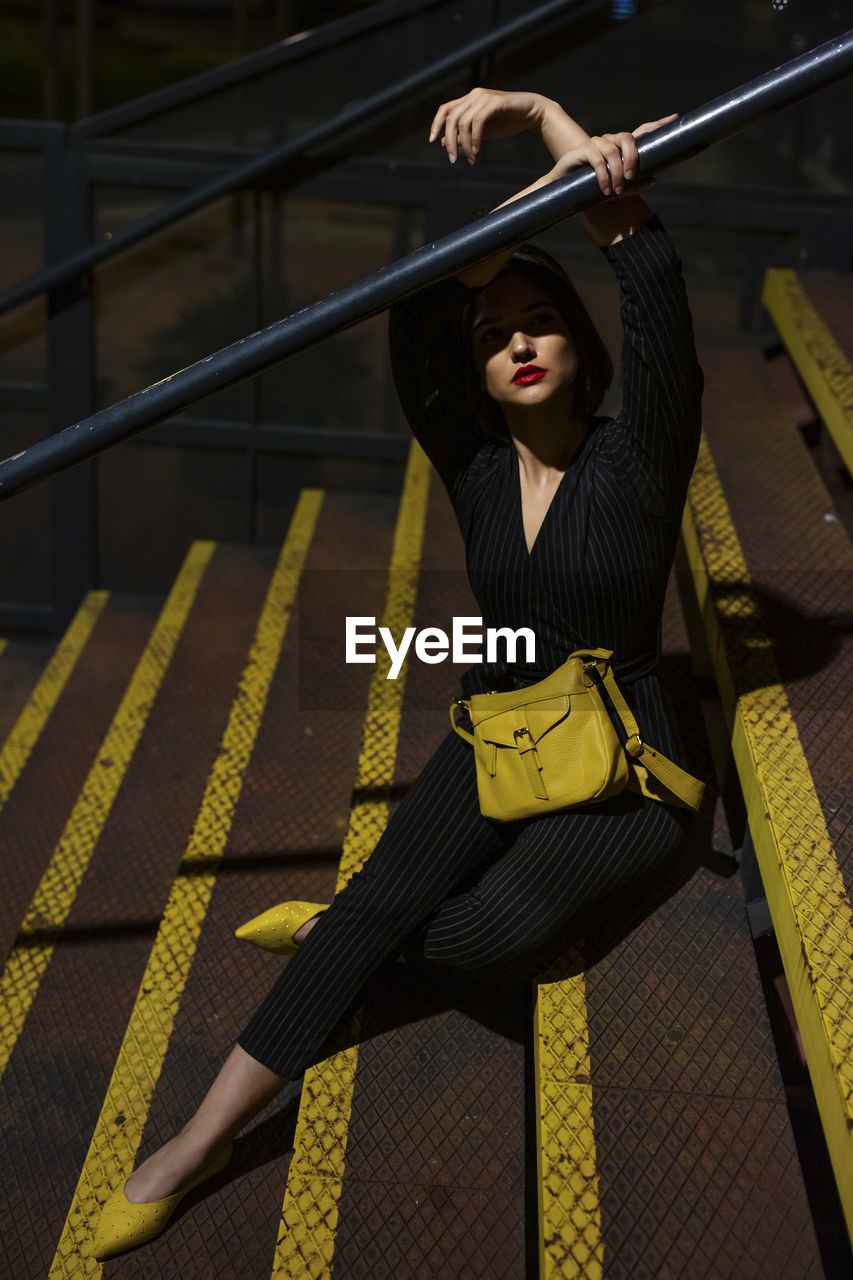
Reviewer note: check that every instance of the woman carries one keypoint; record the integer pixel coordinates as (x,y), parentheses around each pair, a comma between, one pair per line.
(570,522)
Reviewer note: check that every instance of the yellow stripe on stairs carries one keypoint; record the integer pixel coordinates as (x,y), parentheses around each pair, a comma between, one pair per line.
(805,888)
(25,733)
(115,1141)
(58,888)
(570,1241)
(309,1219)
(819,360)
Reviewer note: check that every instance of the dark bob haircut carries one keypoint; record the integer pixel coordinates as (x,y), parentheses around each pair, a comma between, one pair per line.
(595,368)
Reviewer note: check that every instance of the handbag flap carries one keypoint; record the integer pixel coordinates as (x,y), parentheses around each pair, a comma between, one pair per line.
(539,717)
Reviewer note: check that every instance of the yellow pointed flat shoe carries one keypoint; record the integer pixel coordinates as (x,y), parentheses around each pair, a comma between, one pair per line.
(273,930)
(124,1225)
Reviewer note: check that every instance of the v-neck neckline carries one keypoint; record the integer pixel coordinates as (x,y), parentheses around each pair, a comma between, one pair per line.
(530,551)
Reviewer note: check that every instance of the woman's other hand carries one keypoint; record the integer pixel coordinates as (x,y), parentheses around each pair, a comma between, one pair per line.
(485,113)
(613,156)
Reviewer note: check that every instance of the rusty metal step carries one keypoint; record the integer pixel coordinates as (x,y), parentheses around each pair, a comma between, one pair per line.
(24,660)
(772,569)
(94,958)
(695,1168)
(52,741)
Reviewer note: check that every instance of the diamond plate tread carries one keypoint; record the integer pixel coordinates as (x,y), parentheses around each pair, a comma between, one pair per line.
(42,775)
(114,917)
(285,842)
(686,1084)
(800,566)
(23,661)
(307,1240)
(774,596)
(140,1059)
(700,1186)
(418,1231)
(675,1002)
(438,1102)
(812,312)
(674,1011)
(34,947)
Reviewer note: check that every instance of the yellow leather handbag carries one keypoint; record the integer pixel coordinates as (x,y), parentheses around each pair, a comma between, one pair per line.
(569,740)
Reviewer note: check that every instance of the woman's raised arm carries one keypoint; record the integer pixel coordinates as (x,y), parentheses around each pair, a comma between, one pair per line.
(465,123)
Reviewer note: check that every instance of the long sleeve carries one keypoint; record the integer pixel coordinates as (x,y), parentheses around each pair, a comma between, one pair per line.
(656,437)
(427,362)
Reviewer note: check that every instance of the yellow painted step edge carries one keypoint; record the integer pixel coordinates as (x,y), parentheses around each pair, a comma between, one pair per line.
(20,980)
(571,1245)
(140,1060)
(822,365)
(309,1221)
(805,890)
(27,729)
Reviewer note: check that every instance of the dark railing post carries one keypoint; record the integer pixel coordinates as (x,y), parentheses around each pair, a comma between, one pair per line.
(70,377)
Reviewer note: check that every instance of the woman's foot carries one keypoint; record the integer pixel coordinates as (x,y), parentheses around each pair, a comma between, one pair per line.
(283,927)
(172,1167)
(126,1224)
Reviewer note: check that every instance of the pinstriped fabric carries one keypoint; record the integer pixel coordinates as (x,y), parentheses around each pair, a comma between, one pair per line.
(477,895)
(435,837)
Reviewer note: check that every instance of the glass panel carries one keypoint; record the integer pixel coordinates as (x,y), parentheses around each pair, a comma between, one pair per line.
(174,298)
(281,477)
(613,74)
(198,287)
(313,247)
(22,331)
(283,103)
(25,537)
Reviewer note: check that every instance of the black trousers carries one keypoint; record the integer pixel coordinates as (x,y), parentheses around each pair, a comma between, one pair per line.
(477,895)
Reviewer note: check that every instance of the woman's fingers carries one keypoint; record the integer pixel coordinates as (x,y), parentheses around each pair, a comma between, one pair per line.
(438,120)
(450,141)
(628,156)
(612,156)
(482,113)
(478,122)
(466,121)
(595,156)
(651,125)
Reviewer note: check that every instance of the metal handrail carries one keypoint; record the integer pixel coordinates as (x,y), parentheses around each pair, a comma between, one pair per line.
(686,137)
(275,158)
(293,48)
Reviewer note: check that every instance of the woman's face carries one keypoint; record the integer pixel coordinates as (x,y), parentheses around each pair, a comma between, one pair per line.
(523,351)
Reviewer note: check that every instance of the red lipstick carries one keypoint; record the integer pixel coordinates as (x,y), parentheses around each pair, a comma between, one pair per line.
(528,374)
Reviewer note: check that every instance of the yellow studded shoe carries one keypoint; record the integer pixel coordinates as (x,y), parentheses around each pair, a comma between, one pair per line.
(273,930)
(124,1225)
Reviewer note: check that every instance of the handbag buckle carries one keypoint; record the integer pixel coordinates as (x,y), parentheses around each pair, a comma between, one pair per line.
(520,733)
(634,746)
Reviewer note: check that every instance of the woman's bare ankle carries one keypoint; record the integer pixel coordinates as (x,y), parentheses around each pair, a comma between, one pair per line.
(172,1166)
(304,929)
(243,1086)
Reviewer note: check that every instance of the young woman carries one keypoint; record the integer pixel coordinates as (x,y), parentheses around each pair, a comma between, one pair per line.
(570,522)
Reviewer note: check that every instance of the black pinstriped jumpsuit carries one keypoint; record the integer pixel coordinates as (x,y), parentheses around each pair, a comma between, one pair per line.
(480,896)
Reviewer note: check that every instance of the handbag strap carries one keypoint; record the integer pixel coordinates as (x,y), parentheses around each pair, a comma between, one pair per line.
(463,733)
(687,789)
